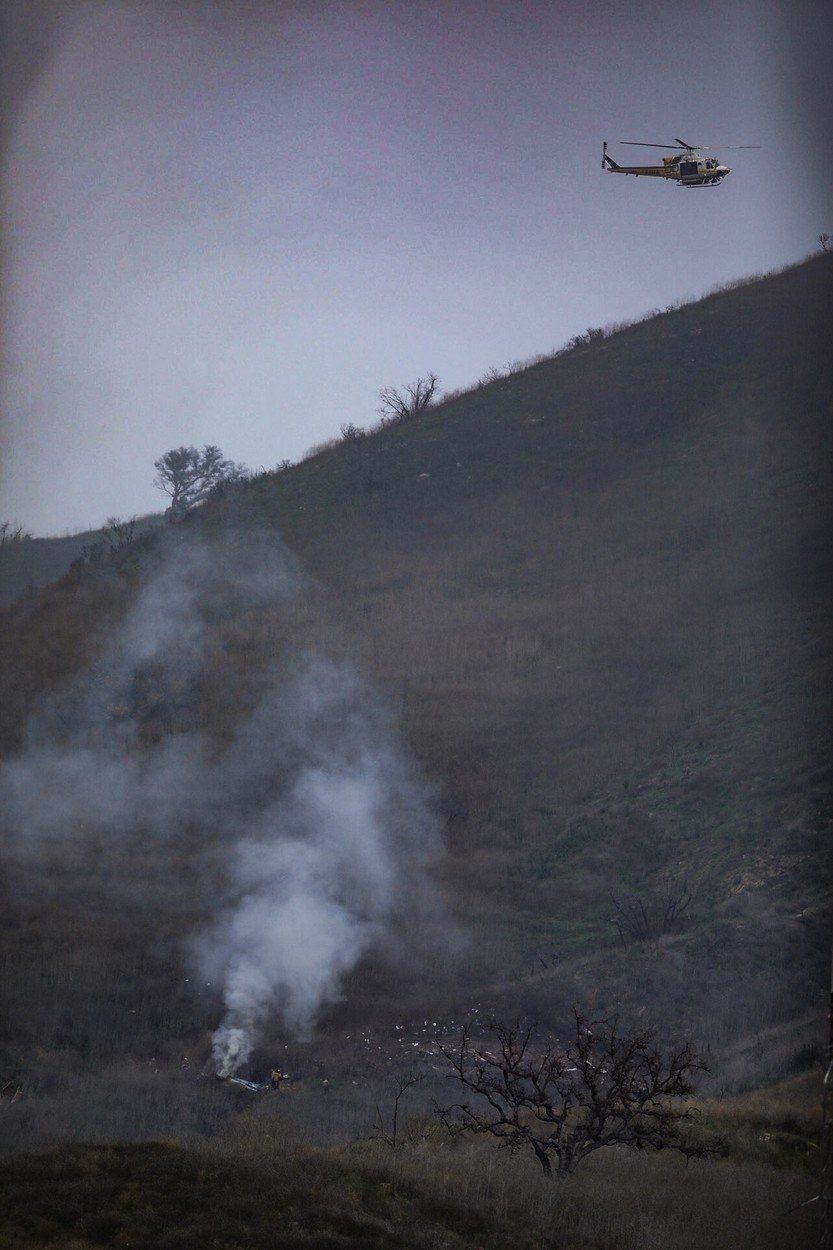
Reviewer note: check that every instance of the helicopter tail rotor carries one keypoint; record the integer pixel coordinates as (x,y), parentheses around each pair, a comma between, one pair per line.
(607,161)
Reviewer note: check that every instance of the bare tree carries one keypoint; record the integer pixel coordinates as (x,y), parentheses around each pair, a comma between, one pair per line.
(603,1089)
(825,241)
(410,401)
(189,476)
(393,1138)
(641,920)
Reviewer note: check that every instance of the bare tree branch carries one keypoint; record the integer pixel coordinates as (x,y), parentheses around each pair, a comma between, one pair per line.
(410,401)
(393,1138)
(638,920)
(603,1089)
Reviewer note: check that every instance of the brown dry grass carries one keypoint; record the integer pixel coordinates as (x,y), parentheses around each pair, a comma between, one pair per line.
(257,1188)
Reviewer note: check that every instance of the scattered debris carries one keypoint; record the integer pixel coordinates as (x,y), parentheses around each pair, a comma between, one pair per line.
(252,1086)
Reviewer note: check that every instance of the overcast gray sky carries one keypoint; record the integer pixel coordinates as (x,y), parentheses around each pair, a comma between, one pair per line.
(234,221)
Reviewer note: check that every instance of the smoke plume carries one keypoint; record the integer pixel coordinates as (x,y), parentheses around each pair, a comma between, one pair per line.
(340,830)
(323,826)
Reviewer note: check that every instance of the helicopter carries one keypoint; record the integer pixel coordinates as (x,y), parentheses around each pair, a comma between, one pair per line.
(686,168)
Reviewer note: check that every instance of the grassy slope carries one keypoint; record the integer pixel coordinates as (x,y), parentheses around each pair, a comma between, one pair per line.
(606,612)
(598,594)
(258,1187)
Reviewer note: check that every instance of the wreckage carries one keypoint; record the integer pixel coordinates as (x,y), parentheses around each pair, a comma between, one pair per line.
(255,1087)
(252,1086)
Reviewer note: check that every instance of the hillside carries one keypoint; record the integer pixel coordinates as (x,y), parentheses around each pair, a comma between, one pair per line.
(30,563)
(594,595)
(600,590)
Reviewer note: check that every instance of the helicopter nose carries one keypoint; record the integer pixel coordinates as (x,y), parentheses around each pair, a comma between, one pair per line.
(723,170)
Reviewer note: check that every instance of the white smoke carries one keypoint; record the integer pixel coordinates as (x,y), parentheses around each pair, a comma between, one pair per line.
(319,872)
(325,824)
(82,766)
(338,842)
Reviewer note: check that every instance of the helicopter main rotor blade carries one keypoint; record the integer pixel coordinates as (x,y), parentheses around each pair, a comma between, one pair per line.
(632,143)
(692,147)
